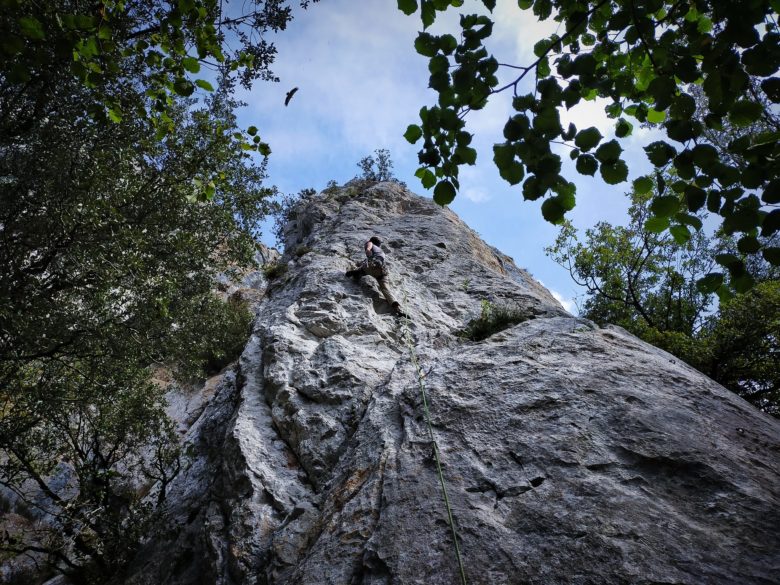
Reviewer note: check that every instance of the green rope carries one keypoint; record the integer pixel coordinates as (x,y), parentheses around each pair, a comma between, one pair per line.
(421,383)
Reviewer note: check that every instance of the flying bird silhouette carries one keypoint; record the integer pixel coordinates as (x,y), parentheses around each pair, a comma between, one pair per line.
(289,95)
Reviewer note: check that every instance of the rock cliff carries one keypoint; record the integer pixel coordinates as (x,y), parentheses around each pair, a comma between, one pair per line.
(573,454)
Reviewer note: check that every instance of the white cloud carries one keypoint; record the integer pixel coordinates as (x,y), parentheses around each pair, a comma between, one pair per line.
(568,304)
(475,195)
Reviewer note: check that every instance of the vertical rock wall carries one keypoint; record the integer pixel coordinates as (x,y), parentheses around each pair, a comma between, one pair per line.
(573,454)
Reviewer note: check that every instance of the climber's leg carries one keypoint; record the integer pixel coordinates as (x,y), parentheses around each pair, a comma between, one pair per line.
(386,291)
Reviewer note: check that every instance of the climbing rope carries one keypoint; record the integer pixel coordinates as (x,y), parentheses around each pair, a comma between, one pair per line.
(421,382)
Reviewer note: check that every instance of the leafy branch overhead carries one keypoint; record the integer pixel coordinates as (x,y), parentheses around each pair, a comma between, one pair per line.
(646,59)
(175,48)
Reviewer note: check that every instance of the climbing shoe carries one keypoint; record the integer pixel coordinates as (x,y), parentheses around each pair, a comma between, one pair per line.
(398,312)
(352,273)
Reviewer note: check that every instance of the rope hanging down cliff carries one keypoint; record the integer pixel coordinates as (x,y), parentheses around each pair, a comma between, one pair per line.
(421,383)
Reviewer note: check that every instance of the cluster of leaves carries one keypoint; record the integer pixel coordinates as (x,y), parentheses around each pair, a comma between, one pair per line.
(492,319)
(162,45)
(113,233)
(640,57)
(646,282)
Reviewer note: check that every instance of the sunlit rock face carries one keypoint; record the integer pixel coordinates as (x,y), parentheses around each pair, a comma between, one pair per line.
(573,454)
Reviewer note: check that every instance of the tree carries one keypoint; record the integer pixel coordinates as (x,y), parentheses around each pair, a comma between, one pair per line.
(642,58)
(646,283)
(744,346)
(121,199)
(637,278)
(377,168)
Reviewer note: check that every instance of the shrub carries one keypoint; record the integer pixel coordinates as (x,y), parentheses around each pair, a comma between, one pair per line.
(494,318)
(286,210)
(230,339)
(274,270)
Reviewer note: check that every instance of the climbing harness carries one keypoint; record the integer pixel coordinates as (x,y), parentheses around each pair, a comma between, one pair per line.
(421,383)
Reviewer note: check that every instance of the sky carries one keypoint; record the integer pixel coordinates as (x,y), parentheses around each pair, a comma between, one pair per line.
(361,84)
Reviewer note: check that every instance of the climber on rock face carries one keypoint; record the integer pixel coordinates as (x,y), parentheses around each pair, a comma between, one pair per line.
(375,265)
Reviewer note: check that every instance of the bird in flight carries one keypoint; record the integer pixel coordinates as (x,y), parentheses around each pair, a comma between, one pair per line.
(289,95)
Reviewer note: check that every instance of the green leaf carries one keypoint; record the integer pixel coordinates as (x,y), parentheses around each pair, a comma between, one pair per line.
(655,117)
(553,210)
(427,13)
(771,223)
(512,173)
(588,138)
(689,219)
(655,224)
(413,133)
(623,128)
(662,89)
(704,155)
(427,178)
(31,28)
(541,47)
(609,152)
(525,4)
(444,193)
(503,155)
(659,153)
(681,234)
(742,282)
(115,114)
(614,173)
(426,45)
(745,112)
(466,154)
(548,121)
(771,88)
(252,130)
(665,206)
(203,84)
(710,283)
(587,165)
(771,193)
(727,260)
(183,87)
(745,220)
(191,64)
(543,68)
(516,127)
(407,6)
(695,197)
(643,185)
(748,245)
(771,255)
(439,64)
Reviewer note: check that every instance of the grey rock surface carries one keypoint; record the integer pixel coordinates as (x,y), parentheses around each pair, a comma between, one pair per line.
(573,454)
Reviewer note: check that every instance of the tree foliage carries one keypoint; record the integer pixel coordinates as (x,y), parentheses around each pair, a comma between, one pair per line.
(633,274)
(121,198)
(646,282)
(163,50)
(644,59)
(377,168)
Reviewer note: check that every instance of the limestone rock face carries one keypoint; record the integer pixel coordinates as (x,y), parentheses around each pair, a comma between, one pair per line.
(573,454)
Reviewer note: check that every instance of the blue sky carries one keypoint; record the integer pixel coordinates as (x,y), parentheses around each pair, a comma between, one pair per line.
(361,83)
